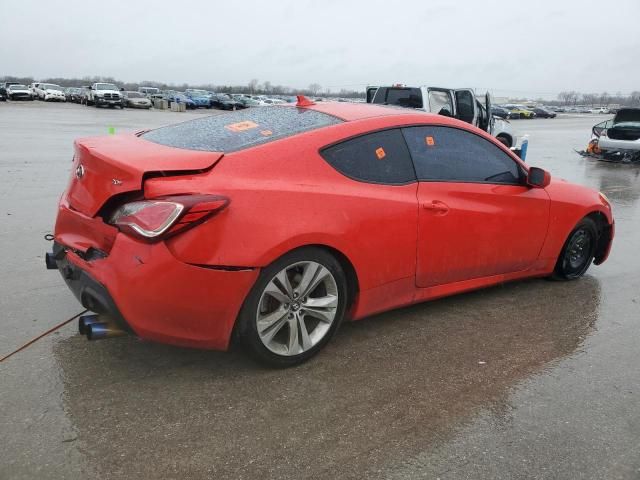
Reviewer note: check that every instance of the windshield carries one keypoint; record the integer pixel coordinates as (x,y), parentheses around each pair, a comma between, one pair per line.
(198,93)
(106,86)
(224,96)
(135,95)
(50,86)
(17,87)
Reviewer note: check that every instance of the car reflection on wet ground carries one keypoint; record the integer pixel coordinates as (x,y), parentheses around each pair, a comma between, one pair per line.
(534,379)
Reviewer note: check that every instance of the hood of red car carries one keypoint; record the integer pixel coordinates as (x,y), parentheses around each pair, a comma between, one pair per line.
(115,164)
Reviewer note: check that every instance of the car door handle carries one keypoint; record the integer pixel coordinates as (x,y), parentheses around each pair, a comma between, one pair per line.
(436,206)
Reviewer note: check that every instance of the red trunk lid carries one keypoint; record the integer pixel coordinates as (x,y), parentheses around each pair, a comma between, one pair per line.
(107,166)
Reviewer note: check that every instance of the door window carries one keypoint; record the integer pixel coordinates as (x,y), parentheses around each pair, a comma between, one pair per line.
(464,102)
(440,102)
(443,154)
(379,157)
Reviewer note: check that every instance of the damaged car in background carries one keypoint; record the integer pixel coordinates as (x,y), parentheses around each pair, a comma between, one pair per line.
(617,139)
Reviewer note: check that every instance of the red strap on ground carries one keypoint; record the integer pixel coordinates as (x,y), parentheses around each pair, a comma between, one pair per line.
(42,335)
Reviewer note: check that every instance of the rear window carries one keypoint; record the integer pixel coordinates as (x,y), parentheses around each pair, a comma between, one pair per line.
(399,96)
(230,132)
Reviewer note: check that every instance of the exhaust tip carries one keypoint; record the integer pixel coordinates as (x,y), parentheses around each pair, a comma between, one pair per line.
(85,321)
(100,330)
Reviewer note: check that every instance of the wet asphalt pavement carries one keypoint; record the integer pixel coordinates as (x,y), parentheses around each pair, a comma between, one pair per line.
(534,379)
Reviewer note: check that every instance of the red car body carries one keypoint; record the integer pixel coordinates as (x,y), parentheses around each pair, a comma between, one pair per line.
(396,243)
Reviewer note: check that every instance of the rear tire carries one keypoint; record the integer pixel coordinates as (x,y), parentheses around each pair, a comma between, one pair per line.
(504,140)
(294,308)
(578,251)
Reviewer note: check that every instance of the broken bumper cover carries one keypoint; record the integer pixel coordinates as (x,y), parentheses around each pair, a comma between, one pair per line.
(149,292)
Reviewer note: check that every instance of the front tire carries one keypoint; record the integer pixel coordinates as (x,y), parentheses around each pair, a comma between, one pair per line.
(294,308)
(578,251)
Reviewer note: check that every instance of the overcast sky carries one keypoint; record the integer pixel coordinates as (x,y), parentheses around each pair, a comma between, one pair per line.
(527,47)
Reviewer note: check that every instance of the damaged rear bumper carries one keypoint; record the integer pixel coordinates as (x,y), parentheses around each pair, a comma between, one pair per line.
(145,290)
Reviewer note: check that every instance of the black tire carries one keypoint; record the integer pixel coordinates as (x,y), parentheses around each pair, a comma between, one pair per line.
(578,251)
(504,140)
(246,327)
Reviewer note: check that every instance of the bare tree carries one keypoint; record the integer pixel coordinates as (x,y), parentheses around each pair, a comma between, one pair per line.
(590,98)
(253,85)
(604,98)
(314,88)
(634,97)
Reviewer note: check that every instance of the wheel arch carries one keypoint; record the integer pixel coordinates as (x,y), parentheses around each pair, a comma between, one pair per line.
(605,235)
(353,283)
(507,137)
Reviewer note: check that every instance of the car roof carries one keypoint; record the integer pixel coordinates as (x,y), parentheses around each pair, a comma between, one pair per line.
(357,111)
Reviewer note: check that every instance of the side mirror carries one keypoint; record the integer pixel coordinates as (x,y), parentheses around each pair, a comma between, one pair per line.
(538,177)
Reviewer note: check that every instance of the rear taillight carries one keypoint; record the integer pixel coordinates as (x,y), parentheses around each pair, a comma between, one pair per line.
(163,217)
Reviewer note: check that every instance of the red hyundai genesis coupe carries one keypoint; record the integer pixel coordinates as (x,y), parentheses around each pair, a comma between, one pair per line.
(271,226)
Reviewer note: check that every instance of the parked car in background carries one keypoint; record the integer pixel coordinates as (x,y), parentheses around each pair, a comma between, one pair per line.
(148,91)
(604,110)
(249,102)
(136,100)
(5,86)
(500,112)
(104,94)
(460,211)
(201,98)
(18,92)
(543,112)
(273,101)
(518,111)
(73,94)
(173,96)
(623,133)
(50,92)
(225,102)
(32,88)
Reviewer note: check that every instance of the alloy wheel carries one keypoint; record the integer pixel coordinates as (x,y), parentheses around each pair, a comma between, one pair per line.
(297,308)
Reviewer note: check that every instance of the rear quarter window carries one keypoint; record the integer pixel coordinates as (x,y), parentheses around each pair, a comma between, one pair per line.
(399,96)
(230,132)
(379,157)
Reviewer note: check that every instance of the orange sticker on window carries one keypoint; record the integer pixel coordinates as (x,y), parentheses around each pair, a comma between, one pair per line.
(266,133)
(430,141)
(380,153)
(241,126)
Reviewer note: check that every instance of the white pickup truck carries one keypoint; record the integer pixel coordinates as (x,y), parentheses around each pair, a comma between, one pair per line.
(104,94)
(458,103)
